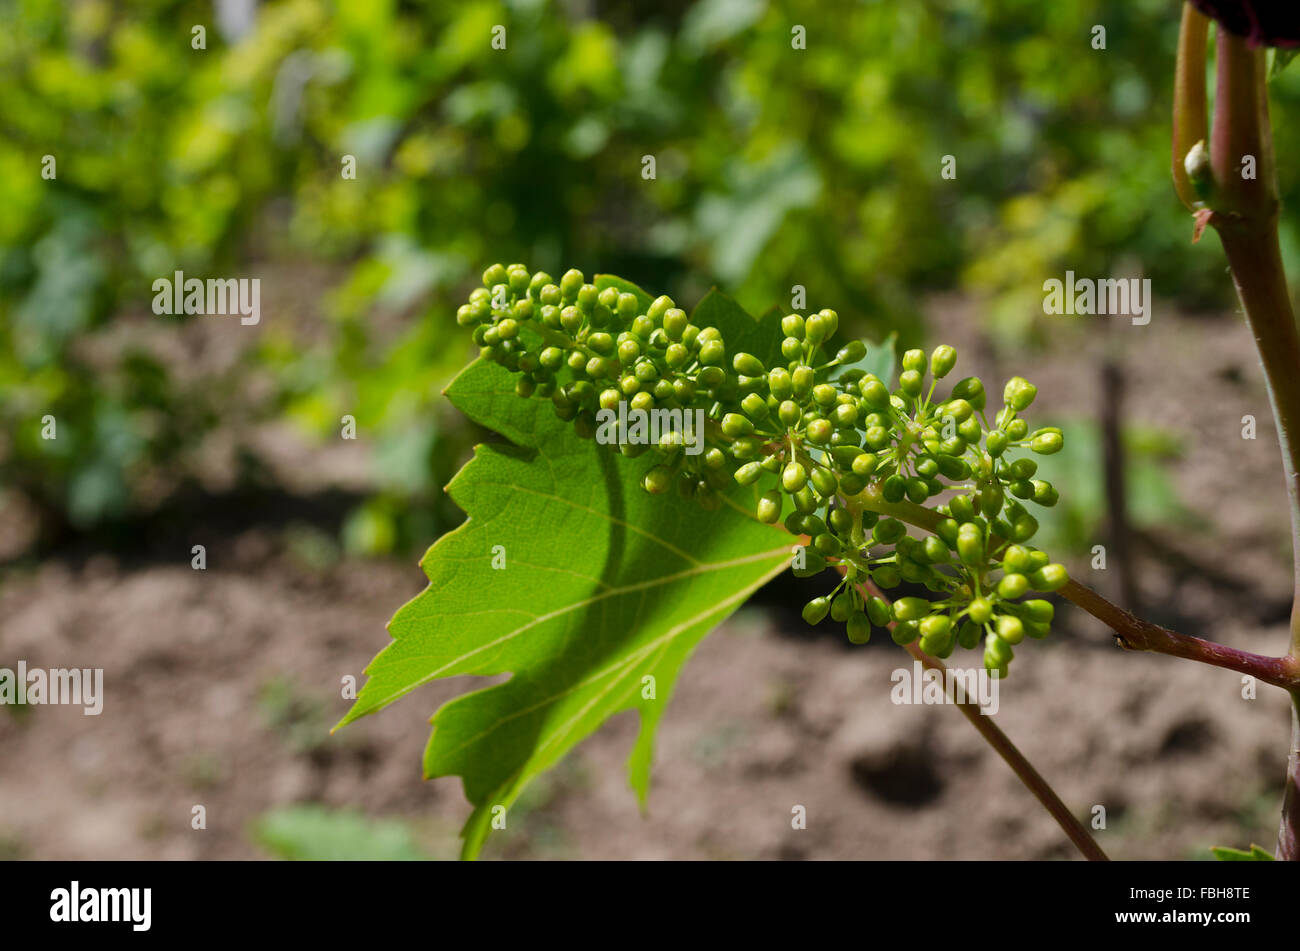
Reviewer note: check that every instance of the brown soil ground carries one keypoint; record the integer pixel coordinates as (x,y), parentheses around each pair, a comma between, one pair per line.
(222,685)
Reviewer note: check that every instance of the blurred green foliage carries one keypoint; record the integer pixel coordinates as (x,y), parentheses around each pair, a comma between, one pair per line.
(317,834)
(775,167)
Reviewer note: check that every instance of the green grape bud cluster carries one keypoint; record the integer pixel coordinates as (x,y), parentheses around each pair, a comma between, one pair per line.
(831,451)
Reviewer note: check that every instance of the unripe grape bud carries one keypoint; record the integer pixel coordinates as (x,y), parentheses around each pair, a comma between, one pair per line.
(1015,559)
(858,628)
(950,467)
(960,410)
(1049,578)
(779,384)
(846,415)
(936,627)
(865,464)
(627,306)
(886,576)
(980,610)
(676,356)
(911,381)
(802,379)
(587,298)
(1046,443)
(842,607)
(1045,493)
(712,353)
(990,498)
(851,483)
(496,274)
(674,323)
(816,610)
(830,321)
(887,532)
(794,476)
(841,521)
(1019,393)
(905,632)
(789,413)
(996,443)
(970,389)
(748,473)
(878,611)
(999,649)
(792,326)
(806,501)
(1013,586)
(734,425)
(814,330)
(658,307)
(1017,429)
(570,284)
(874,393)
(1010,629)
(936,552)
(1024,527)
(791,348)
(769,507)
(657,480)
(942,360)
(894,489)
(819,431)
(811,525)
(911,609)
(970,544)
(824,481)
(748,364)
(1039,611)
(962,508)
(754,406)
(915,360)
(852,352)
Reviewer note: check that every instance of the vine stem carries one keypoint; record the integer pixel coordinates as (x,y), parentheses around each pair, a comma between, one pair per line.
(1134,634)
(1288,841)
(1243,208)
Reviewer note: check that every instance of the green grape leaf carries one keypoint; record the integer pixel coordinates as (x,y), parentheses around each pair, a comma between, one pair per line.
(569,576)
(1256,854)
(1281,59)
(742,333)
